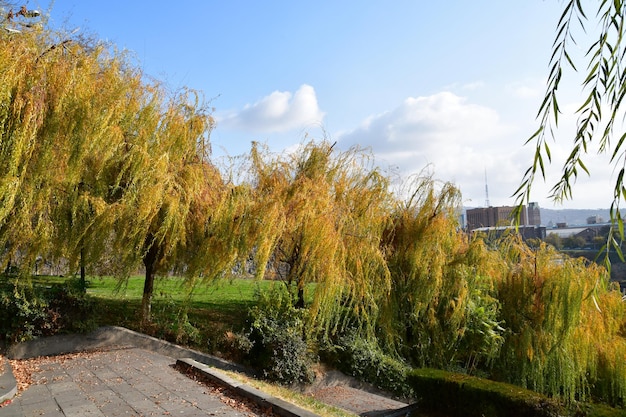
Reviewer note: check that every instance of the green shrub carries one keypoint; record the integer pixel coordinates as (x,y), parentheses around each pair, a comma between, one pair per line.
(170,321)
(278,347)
(460,395)
(235,346)
(73,309)
(28,312)
(366,361)
(24,315)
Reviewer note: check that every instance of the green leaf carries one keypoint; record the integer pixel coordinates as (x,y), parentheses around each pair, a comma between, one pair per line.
(589,98)
(569,60)
(580,9)
(618,146)
(534,135)
(582,165)
(592,74)
(564,18)
(547,150)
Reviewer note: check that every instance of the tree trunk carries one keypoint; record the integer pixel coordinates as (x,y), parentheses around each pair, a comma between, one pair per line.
(300,300)
(150,261)
(83,282)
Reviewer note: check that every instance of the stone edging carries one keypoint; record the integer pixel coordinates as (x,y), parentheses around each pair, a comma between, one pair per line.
(278,406)
(8,385)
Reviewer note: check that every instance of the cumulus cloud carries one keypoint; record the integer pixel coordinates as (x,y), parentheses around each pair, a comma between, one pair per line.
(527,89)
(430,126)
(457,138)
(280,111)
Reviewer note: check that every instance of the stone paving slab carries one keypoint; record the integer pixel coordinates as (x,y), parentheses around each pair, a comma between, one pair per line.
(97,384)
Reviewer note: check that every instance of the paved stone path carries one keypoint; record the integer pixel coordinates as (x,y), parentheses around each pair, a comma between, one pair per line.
(120,382)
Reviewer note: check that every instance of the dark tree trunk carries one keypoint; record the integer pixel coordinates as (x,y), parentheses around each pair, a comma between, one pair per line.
(300,300)
(150,261)
(83,281)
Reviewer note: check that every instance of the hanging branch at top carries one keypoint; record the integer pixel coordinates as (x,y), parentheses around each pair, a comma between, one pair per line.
(605,87)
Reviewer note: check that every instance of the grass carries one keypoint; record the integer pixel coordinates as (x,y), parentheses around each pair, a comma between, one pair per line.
(198,317)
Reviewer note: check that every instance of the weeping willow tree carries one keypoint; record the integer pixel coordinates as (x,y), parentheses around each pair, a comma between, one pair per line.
(64,108)
(319,216)
(559,341)
(158,175)
(167,205)
(32,161)
(441,311)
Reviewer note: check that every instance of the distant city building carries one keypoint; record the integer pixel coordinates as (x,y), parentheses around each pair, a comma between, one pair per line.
(502,216)
(534,214)
(527,232)
(595,219)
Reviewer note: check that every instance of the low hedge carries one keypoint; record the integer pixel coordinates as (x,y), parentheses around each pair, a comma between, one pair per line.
(466,396)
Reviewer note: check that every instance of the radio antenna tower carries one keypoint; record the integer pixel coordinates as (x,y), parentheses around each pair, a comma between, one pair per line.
(487,204)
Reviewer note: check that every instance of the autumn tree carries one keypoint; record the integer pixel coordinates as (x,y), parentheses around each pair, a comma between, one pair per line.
(441,311)
(320,215)
(96,161)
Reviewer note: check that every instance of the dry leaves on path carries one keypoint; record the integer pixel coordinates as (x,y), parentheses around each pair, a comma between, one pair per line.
(228,397)
(25,369)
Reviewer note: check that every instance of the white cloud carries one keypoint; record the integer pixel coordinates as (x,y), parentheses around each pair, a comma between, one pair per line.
(430,127)
(477,85)
(278,112)
(458,138)
(530,88)
(462,141)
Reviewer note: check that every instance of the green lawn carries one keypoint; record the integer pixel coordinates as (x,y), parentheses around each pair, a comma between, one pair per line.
(212,309)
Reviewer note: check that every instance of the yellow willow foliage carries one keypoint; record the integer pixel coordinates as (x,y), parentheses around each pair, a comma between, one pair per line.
(35,86)
(95,161)
(361,201)
(64,114)
(159,178)
(565,326)
(318,218)
(441,294)
(413,253)
(19,119)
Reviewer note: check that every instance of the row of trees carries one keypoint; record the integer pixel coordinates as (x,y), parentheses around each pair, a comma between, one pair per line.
(111,172)
(400,274)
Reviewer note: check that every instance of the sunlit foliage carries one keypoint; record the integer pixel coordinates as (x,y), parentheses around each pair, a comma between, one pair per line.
(97,161)
(564,326)
(441,311)
(320,215)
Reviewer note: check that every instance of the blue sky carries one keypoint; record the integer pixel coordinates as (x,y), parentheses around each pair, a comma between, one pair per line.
(453,86)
